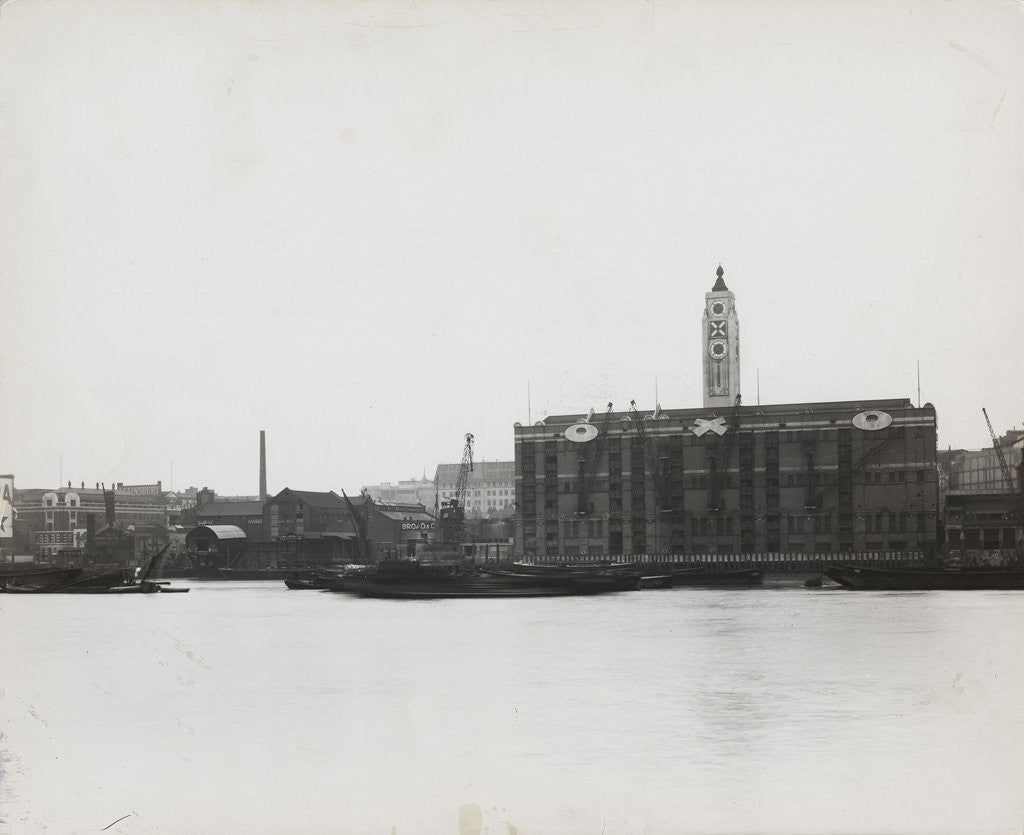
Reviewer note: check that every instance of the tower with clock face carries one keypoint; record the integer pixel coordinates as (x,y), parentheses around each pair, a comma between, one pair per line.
(721,345)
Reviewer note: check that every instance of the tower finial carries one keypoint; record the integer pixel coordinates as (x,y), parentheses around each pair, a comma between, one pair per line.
(720,284)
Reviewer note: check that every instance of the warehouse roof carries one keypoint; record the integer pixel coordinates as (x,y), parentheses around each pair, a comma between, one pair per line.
(221,531)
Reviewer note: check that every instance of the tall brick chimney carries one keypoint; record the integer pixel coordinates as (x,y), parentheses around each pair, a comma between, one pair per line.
(263,465)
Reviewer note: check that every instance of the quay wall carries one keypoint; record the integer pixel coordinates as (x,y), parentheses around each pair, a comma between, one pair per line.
(787,562)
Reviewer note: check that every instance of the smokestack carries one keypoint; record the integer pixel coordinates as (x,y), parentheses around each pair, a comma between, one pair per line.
(109,506)
(263,466)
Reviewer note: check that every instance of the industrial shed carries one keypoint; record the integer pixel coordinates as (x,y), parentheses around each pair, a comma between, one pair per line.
(218,545)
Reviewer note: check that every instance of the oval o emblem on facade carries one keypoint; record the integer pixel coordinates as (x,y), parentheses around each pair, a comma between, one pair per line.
(872,420)
(580,433)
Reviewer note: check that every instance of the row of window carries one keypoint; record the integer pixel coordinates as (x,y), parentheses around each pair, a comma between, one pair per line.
(895,522)
(54,537)
(51,501)
(703,482)
(772,439)
(639,546)
(474,485)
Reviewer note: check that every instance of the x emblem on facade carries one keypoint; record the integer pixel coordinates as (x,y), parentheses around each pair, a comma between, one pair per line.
(700,427)
(718,328)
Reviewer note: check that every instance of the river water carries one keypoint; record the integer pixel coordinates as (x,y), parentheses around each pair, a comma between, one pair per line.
(249,708)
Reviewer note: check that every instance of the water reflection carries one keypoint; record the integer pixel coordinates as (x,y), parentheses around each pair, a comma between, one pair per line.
(251,708)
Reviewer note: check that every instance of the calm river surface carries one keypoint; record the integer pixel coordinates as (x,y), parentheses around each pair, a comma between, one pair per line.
(249,708)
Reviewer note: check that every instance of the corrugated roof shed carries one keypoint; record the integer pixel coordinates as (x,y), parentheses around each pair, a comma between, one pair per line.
(223,531)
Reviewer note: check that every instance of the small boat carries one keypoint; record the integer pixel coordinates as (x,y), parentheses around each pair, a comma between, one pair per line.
(927,579)
(39,577)
(78,581)
(144,587)
(305,583)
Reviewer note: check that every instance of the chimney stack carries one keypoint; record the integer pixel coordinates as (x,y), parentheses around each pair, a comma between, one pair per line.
(263,466)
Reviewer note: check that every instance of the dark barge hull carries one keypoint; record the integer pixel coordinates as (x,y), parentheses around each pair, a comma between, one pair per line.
(926,579)
(40,578)
(144,587)
(417,591)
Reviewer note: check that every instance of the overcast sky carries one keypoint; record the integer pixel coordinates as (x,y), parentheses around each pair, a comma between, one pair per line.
(371,227)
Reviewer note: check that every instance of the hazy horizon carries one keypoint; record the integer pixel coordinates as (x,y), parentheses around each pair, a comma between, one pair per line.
(371,228)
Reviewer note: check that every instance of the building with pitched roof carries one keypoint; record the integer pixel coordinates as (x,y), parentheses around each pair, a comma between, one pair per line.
(393,529)
(246,514)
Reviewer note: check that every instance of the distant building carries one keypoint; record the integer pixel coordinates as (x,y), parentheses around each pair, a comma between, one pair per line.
(179,503)
(490,488)
(245,513)
(299,512)
(301,527)
(394,530)
(983,502)
(414,491)
(51,521)
(979,471)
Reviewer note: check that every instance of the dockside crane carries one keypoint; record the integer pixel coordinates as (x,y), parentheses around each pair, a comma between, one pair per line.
(720,469)
(652,464)
(361,526)
(452,511)
(589,457)
(1003,465)
(649,456)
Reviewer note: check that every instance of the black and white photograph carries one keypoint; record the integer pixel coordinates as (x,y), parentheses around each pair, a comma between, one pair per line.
(512,417)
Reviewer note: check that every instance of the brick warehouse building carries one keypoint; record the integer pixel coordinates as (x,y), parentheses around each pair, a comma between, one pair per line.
(808,478)
(803,478)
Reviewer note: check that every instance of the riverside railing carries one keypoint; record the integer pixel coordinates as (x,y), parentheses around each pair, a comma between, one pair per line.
(781,561)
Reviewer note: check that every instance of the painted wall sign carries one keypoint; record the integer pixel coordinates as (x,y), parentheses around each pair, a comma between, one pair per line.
(140,489)
(419,526)
(6,506)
